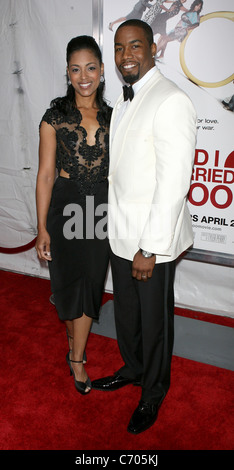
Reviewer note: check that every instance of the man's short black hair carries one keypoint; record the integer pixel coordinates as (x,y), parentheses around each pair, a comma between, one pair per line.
(140,24)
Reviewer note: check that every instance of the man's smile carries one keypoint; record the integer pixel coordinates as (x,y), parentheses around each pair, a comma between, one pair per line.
(128,66)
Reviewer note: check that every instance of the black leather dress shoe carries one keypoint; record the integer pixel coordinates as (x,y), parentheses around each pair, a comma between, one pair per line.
(143,417)
(112,382)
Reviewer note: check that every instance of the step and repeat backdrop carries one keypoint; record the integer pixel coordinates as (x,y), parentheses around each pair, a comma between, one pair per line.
(194,41)
(195,50)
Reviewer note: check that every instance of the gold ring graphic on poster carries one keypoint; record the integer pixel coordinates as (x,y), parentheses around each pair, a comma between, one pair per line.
(216,14)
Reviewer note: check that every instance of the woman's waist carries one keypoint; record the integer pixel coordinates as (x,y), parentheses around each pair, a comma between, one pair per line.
(67,191)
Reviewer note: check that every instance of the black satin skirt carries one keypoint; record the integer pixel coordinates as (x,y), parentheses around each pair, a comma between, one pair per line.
(77,226)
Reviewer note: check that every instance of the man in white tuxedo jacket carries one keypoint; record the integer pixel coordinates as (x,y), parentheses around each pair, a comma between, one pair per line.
(152,142)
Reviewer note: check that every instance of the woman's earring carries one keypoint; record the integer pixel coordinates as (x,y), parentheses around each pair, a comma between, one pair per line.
(69,81)
(102,79)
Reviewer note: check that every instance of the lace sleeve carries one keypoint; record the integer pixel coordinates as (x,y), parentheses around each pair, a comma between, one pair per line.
(49,117)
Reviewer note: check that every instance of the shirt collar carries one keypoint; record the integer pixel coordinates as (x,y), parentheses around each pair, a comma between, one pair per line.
(138,85)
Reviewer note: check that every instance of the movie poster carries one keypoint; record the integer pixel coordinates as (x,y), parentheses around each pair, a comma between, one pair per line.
(195,49)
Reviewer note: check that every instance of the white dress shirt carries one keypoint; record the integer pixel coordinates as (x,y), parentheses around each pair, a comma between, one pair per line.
(136,87)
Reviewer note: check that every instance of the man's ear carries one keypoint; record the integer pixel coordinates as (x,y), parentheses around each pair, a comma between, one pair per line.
(154,49)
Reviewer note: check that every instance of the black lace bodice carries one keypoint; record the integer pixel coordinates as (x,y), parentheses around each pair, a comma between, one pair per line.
(87,164)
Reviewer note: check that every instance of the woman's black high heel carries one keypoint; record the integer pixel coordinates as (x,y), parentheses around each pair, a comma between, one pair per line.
(84,356)
(80,386)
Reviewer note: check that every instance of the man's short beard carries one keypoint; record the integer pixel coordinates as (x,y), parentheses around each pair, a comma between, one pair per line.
(131,78)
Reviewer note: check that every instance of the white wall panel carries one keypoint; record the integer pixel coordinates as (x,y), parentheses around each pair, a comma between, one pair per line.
(34,36)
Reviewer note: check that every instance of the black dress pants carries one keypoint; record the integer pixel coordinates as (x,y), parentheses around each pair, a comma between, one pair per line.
(144,317)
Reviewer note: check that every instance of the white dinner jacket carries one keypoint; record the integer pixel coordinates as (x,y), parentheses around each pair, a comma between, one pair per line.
(151,160)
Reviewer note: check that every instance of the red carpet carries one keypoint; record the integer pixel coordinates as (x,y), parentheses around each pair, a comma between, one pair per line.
(41,410)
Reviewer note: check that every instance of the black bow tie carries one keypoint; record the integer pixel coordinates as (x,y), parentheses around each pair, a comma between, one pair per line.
(128,92)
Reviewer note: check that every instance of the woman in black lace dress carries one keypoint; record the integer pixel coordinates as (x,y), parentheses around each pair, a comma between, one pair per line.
(74,139)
